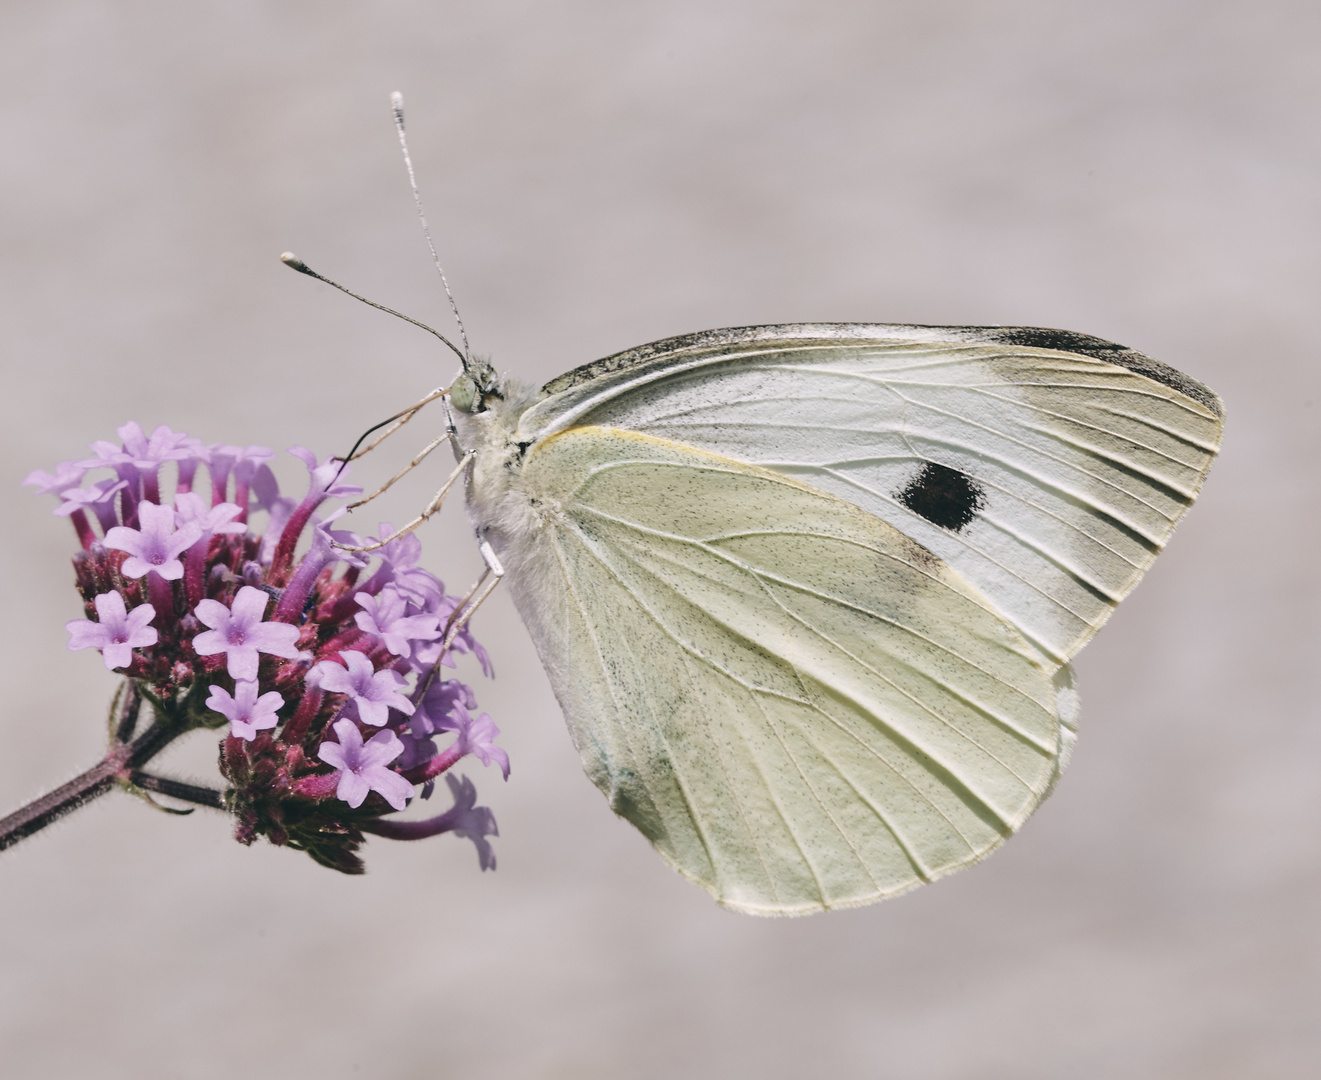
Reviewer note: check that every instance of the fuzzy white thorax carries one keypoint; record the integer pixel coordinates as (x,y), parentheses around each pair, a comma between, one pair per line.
(498,506)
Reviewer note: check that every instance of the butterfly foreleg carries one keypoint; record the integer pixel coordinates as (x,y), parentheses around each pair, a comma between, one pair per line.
(464,463)
(401,473)
(451,432)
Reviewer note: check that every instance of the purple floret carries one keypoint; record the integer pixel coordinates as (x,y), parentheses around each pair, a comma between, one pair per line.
(68,474)
(384,615)
(473,822)
(239,632)
(246,712)
(362,768)
(156,545)
(117,633)
(191,508)
(374,693)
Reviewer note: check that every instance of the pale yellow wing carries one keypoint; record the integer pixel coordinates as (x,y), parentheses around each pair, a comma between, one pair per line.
(800,707)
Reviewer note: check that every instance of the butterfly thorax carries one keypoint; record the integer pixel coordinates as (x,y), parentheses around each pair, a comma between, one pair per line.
(499,505)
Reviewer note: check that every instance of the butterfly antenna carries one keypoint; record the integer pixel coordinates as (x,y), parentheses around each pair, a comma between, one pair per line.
(397,107)
(295,263)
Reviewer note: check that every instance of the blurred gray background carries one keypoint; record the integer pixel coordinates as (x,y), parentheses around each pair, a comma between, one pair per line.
(600,175)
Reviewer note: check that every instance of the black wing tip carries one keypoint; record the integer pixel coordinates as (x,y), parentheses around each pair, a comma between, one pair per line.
(1070,341)
(1033,337)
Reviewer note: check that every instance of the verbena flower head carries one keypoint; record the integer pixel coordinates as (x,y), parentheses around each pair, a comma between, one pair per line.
(322,667)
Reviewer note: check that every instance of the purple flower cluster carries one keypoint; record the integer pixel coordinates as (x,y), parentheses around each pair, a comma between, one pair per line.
(221,624)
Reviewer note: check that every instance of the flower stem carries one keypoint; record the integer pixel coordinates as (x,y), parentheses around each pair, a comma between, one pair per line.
(177,789)
(39,813)
(121,762)
(152,741)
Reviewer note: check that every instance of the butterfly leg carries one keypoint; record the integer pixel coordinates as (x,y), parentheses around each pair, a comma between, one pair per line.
(401,473)
(451,432)
(484,586)
(464,462)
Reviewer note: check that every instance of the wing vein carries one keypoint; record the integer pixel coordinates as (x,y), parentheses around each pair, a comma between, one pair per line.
(898,737)
(609,682)
(848,606)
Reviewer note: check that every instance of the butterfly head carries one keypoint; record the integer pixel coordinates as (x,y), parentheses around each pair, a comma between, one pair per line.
(472,391)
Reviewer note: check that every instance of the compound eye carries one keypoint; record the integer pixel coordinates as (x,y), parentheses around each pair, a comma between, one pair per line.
(464,394)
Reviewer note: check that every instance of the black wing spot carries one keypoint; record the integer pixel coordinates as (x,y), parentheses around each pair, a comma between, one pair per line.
(944,496)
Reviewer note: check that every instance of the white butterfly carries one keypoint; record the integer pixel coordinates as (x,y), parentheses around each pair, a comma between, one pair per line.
(807,594)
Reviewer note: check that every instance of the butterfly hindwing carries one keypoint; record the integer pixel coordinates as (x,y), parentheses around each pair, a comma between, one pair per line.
(800,707)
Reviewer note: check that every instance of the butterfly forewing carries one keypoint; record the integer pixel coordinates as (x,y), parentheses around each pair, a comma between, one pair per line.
(800,706)
(1047,468)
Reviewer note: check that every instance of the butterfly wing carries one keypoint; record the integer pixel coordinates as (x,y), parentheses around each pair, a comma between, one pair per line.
(1047,468)
(799,706)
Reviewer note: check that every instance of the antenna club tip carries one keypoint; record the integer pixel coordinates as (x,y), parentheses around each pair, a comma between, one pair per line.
(294,262)
(396,101)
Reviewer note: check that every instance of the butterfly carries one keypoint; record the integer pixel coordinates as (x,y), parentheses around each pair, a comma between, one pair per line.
(807,594)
